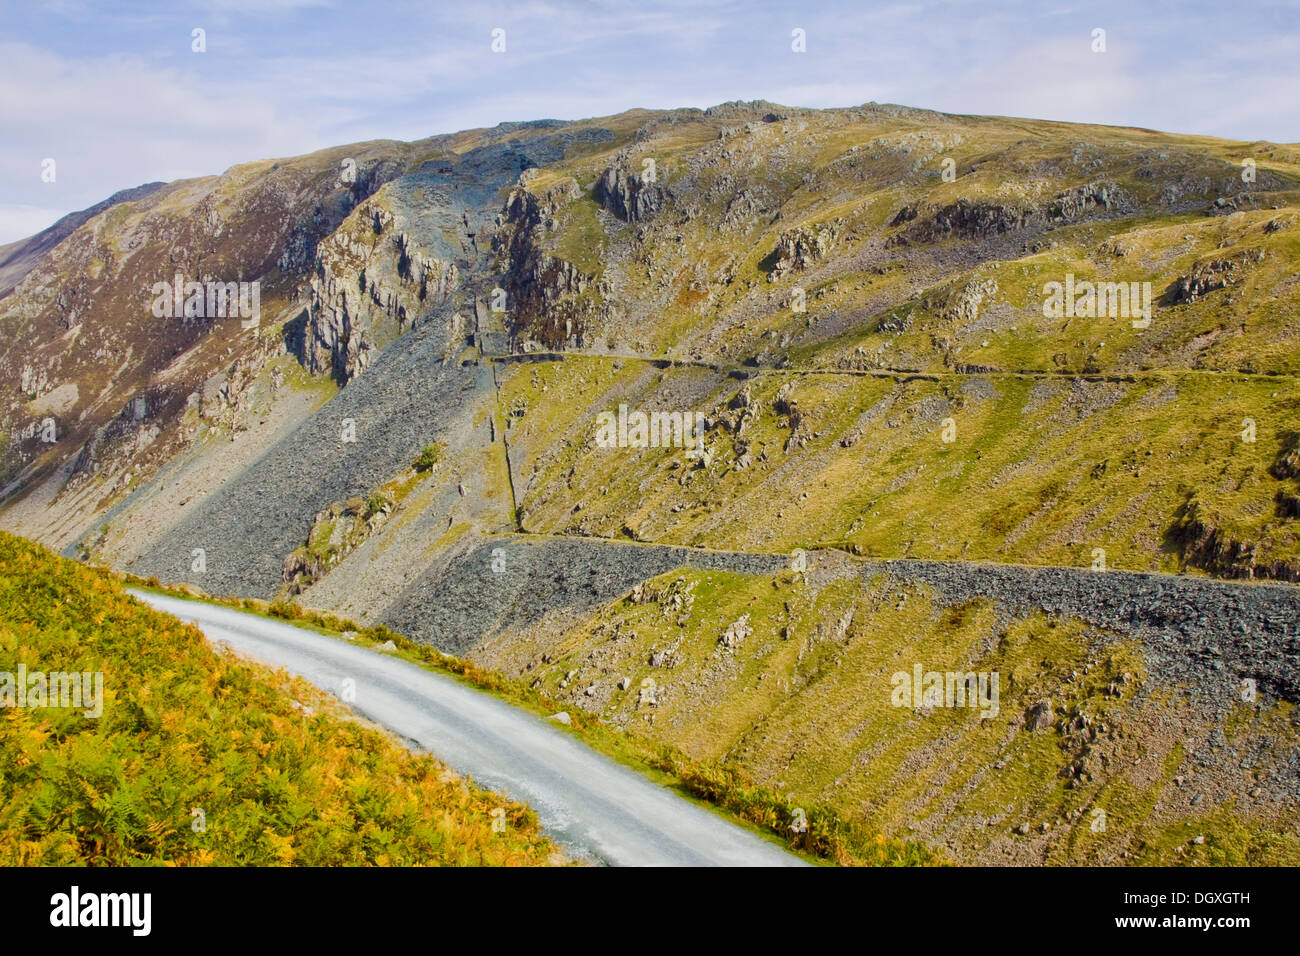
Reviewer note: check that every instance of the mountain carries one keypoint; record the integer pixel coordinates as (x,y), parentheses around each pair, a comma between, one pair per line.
(19,258)
(975,394)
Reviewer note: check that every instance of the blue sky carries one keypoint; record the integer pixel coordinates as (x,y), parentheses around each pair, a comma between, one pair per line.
(112,91)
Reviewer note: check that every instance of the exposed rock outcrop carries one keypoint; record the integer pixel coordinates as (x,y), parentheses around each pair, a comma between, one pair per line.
(370,283)
(542,290)
(964,304)
(799,248)
(981,219)
(1216,273)
(630,196)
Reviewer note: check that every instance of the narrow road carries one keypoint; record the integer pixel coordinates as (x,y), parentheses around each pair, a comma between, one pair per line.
(594,807)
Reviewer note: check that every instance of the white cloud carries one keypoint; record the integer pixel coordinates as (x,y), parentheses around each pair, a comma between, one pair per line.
(1059,78)
(113,121)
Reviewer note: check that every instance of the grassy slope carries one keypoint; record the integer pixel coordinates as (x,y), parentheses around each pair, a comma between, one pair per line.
(281,774)
(1085,433)
(803,706)
(1042,470)
(726,789)
(1144,466)
(1138,458)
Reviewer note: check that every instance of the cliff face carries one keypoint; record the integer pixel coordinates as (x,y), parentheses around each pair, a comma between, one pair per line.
(632,196)
(369,284)
(545,293)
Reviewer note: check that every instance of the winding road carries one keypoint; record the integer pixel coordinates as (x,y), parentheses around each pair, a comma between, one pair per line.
(594,807)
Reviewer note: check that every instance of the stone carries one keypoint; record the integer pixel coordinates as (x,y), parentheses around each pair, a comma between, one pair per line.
(736,633)
(1040,715)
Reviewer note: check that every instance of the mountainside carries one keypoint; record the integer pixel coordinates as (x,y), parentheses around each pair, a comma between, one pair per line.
(99,391)
(1119,730)
(859,376)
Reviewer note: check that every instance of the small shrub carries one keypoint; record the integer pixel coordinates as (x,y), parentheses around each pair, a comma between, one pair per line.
(429,457)
(285,610)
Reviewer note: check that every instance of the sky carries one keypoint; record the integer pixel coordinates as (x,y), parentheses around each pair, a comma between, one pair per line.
(115,93)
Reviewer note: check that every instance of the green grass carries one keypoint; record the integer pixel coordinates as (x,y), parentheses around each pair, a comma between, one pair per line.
(429,456)
(1042,469)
